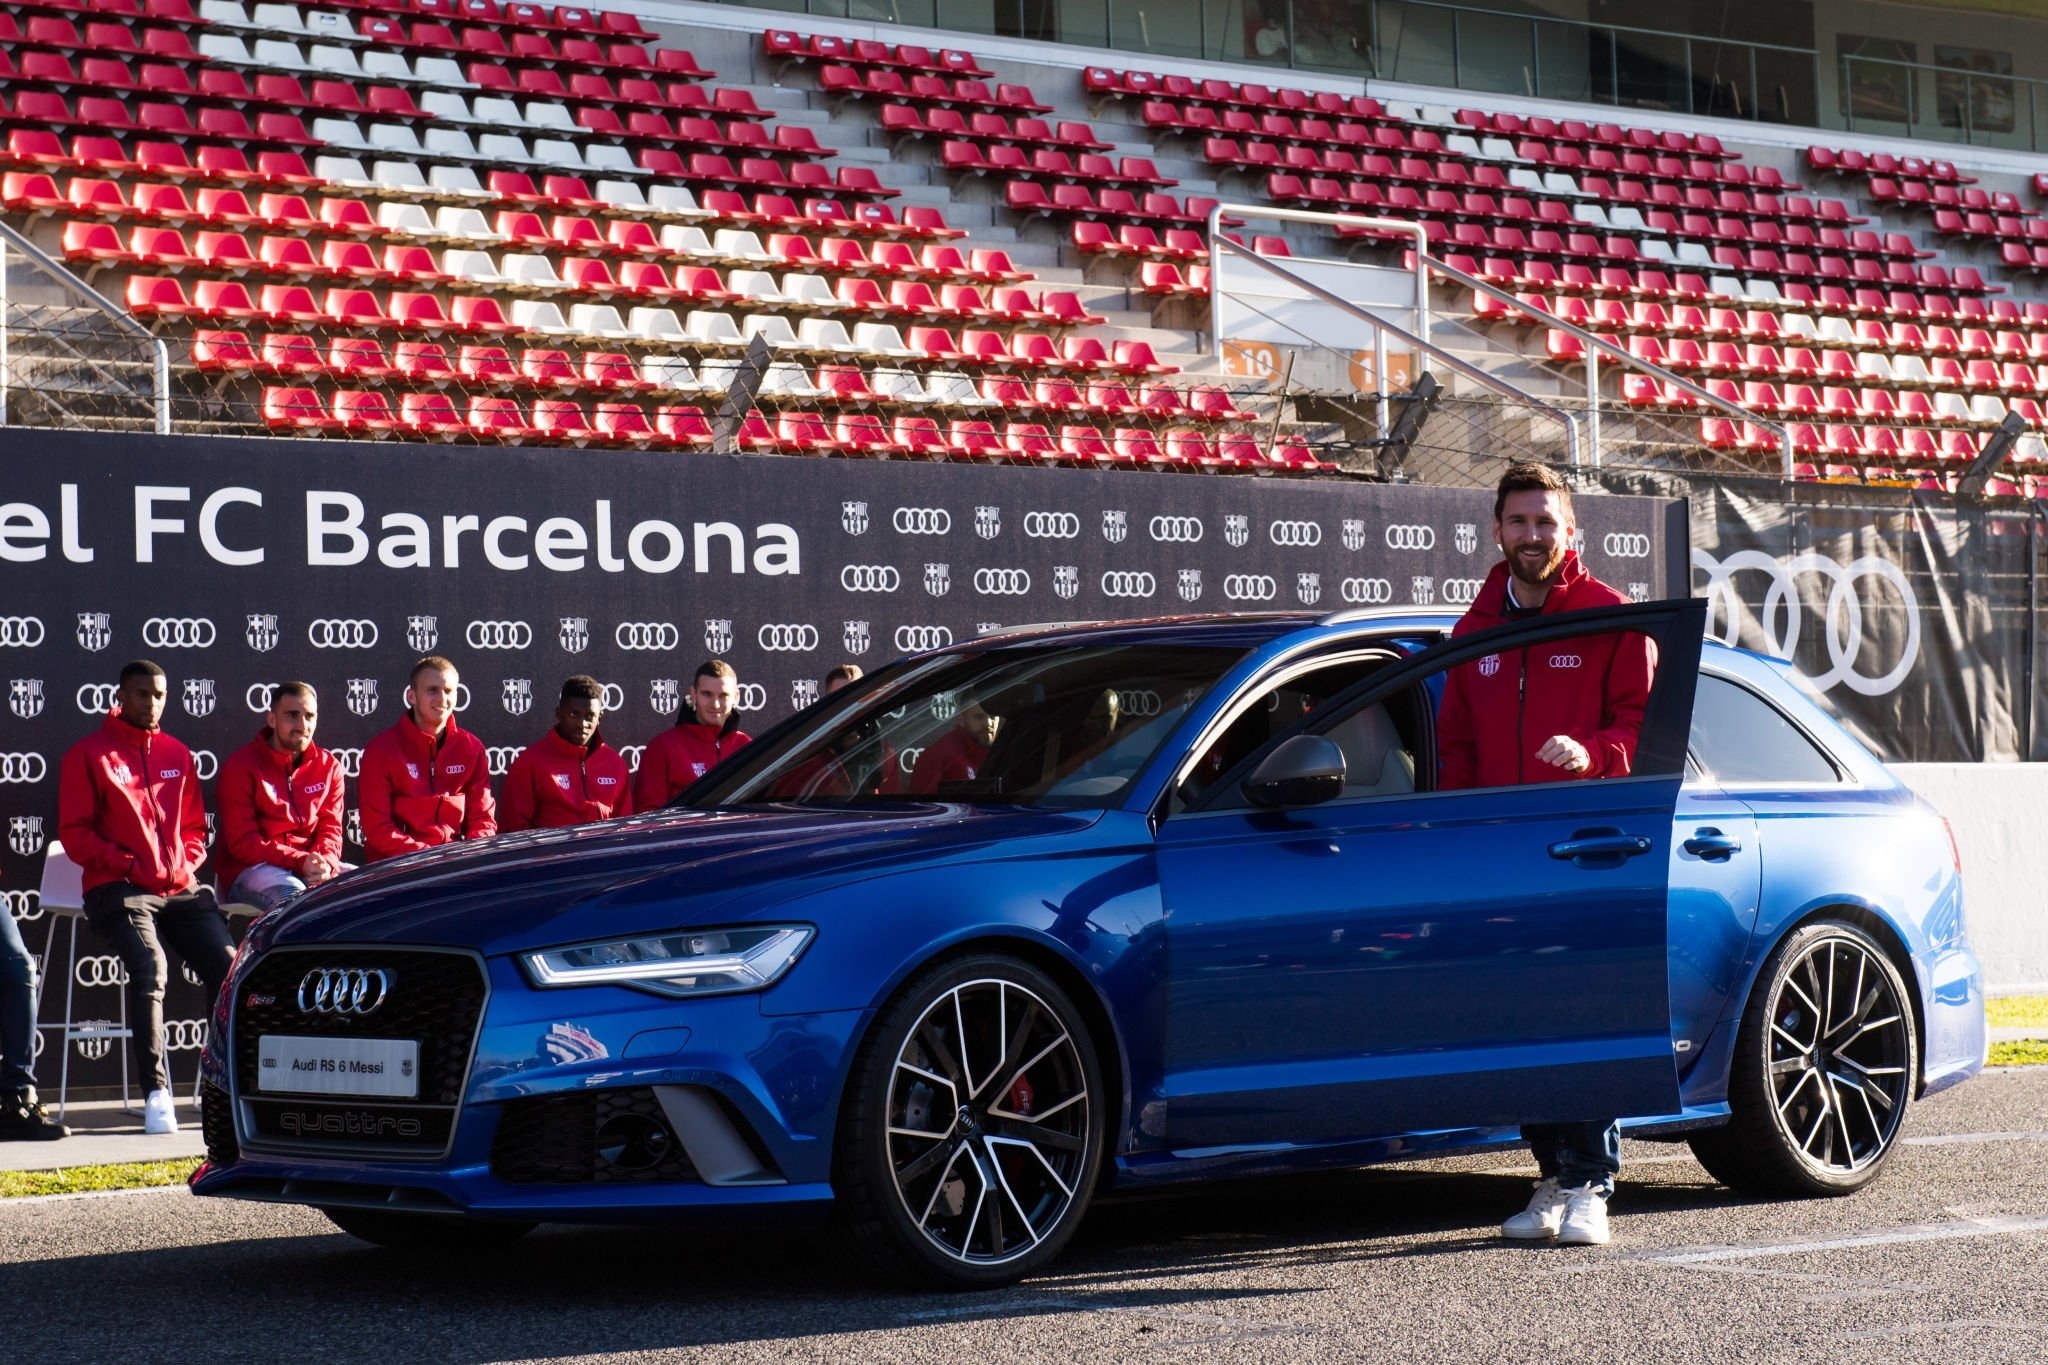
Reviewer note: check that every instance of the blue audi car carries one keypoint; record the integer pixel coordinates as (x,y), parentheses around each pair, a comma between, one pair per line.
(1064,911)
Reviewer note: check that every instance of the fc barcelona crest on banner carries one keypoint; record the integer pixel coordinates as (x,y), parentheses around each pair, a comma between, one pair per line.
(1066,579)
(938,579)
(853,518)
(518,696)
(665,695)
(25,697)
(575,634)
(1308,587)
(1237,529)
(1190,585)
(988,522)
(718,636)
(1354,534)
(1466,537)
(199,698)
(1115,526)
(803,692)
(25,834)
(261,632)
(352,826)
(95,630)
(422,633)
(361,696)
(855,637)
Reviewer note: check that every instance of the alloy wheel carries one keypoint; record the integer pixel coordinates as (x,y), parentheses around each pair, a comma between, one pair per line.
(1839,1056)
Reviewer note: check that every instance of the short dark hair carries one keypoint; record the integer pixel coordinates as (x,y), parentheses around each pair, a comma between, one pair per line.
(304,691)
(139,668)
(427,661)
(842,673)
(1527,477)
(583,686)
(712,668)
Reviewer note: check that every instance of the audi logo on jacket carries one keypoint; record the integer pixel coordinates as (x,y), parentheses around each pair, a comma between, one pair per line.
(1494,718)
(418,790)
(679,756)
(128,809)
(275,808)
(555,783)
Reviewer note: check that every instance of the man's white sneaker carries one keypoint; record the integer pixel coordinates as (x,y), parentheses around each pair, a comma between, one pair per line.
(1541,1219)
(1585,1218)
(159,1114)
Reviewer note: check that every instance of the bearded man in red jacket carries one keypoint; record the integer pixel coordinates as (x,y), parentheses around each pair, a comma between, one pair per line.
(571,777)
(279,802)
(425,781)
(1547,715)
(129,813)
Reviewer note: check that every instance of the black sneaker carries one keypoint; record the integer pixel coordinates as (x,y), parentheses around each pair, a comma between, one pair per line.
(22,1119)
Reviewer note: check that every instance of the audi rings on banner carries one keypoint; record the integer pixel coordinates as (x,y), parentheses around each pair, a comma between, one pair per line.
(20,632)
(1366,592)
(330,633)
(102,970)
(1140,702)
(184,1035)
(498,757)
(178,632)
(1177,530)
(23,768)
(1460,592)
(646,635)
(751,697)
(870,578)
(258,696)
(1301,534)
(205,763)
(1626,544)
(614,696)
(779,638)
(1002,582)
(350,761)
(1781,620)
(913,639)
(26,906)
(1128,583)
(922,521)
(499,635)
(1250,587)
(1411,537)
(96,699)
(1051,525)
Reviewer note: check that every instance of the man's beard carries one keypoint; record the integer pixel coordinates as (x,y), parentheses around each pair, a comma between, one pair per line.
(1543,577)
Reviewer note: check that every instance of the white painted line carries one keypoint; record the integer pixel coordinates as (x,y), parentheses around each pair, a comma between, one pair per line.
(177,1186)
(1920,1232)
(1005,1306)
(1968,1139)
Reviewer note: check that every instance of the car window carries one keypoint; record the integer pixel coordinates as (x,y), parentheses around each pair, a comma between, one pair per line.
(1740,739)
(1273,712)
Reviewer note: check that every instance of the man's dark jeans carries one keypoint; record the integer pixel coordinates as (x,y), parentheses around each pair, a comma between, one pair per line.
(1577,1153)
(17,1010)
(139,924)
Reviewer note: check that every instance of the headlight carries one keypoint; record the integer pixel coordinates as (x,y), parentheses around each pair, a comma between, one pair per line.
(697,962)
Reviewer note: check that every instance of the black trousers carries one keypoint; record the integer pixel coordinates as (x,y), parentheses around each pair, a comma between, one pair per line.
(138,924)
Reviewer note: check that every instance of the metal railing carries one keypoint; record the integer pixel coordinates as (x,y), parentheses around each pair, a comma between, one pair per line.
(160,354)
(1976,108)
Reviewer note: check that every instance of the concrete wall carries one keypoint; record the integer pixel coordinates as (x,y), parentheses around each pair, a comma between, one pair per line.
(2000,815)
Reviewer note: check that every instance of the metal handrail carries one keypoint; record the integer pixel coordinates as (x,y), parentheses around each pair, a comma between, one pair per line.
(1573,440)
(1401,226)
(160,369)
(1597,345)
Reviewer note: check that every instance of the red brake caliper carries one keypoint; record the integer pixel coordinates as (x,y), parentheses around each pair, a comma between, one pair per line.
(1020,1097)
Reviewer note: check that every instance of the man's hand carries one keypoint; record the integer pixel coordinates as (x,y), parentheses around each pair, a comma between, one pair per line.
(314,869)
(1567,753)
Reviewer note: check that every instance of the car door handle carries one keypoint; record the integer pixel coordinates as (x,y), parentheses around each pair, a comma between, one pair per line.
(1608,846)
(1713,845)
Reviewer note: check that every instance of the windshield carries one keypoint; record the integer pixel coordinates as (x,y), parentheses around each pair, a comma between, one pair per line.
(1067,726)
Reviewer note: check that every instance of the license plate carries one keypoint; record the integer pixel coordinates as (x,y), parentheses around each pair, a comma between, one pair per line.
(339,1066)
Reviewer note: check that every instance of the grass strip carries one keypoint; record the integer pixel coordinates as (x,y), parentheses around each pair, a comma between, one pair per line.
(2022,1052)
(2017,1011)
(125,1175)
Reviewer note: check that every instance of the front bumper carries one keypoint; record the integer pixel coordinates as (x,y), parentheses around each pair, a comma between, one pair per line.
(717,1068)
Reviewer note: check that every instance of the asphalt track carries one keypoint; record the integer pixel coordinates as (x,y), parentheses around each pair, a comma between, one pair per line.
(1944,1259)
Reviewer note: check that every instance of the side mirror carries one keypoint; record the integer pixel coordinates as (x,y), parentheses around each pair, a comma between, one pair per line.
(1303,771)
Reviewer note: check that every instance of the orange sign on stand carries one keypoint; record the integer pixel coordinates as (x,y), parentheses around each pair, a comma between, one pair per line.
(1400,371)
(1251,360)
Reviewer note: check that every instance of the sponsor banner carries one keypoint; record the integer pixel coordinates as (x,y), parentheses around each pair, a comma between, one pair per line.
(240,564)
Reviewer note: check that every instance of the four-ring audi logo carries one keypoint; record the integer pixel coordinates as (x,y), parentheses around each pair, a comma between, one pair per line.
(910,639)
(20,632)
(96,699)
(1126,583)
(870,578)
(23,905)
(1002,582)
(1566,661)
(184,1035)
(1366,592)
(1299,533)
(350,761)
(178,632)
(100,971)
(787,638)
(1460,591)
(922,521)
(499,635)
(498,757)
(752,697)
(646,635)
(1181,530)
(1250,587)
(343,990)
(336,633)
(1408,537)
(23,767)
(1626,544)
(1052,525)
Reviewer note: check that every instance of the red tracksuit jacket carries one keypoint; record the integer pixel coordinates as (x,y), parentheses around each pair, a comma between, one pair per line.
(128,809)
(555,783)
(274,808)
(679,756)
(954,758)
(417,791)
(1497,711)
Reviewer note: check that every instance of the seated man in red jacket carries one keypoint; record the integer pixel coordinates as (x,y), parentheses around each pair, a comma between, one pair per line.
(705,733)
(279,801)
(1527,717)
(425,781)
(129,813)
(957,756)
(571,777)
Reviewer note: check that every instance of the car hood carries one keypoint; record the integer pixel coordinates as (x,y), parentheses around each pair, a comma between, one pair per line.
(670,869)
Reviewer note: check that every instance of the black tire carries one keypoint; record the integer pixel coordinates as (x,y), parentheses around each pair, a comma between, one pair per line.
(1820,1118)
(1037,1128)
(427,1232)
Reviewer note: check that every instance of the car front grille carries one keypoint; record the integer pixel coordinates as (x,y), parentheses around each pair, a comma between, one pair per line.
(217,1125)
(585,1138)
(436,999)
